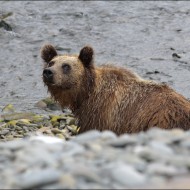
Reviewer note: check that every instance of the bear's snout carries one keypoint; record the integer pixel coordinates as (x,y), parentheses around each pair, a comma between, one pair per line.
(48,75)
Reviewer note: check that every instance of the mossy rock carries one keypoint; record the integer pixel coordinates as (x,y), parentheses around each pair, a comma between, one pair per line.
(15,116)
(48,103)
(9,108)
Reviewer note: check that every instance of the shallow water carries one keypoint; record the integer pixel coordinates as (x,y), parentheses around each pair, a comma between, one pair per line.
(140,35)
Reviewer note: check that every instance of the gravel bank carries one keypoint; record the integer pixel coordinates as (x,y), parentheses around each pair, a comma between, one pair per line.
(18,125)
(156,159)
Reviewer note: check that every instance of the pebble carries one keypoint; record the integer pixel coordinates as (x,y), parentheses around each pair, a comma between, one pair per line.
(123,140)
(13,145)
(162,169)
(135,161)
(95,147)
(181,161)
(186,143)
(67,181)
(73,129)
(126,175)
(108,135)
(89,135)
(36,178)
(55,131)
(146,153)
(161,148)
(88,174)
(72,149)
(71,121)
(4,132)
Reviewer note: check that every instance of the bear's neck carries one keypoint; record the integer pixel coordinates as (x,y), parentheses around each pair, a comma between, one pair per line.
(87,88)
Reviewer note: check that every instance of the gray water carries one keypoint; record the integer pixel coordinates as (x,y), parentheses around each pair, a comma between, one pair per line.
(140,35)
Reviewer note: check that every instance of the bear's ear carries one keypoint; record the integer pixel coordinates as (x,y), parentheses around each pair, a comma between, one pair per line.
(48,52)
(86,56)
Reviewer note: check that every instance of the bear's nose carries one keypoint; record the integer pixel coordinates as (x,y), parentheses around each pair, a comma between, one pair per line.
(48,74)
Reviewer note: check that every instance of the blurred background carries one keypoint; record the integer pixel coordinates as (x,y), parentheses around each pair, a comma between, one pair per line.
(151,38)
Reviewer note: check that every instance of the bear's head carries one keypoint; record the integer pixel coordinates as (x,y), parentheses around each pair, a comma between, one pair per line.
(67,73)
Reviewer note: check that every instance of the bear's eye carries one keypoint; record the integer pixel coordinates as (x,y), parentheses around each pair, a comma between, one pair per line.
(66,68)
(51,63)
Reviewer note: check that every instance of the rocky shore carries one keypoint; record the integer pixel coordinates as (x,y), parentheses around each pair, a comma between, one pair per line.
(97,160)
(45,151)
(17,125)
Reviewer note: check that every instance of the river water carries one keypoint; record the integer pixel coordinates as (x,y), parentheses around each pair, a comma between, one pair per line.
(140,35)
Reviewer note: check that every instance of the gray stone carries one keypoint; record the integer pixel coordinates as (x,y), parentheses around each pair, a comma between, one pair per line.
(157,180)
(2,167)
(36,178)
(131,159)
(126,175)
(71,121)
(67,181)
(41,104)
(95,147)
(167,136)
(4,131)
(181,161)
(161,169)
(143,138)
(186,143)
(53,186)
(146,153)
(71,149)
(13,145)
(36,156)
(6,152)
(87,173)
(84,185)
(111,154)
(123,140)
(161,148)
(108,135)
(80,171)
(87,136)
(177,135)
(55,131)
(159,135)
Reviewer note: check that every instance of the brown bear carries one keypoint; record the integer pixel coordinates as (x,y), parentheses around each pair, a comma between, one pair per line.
(109,97)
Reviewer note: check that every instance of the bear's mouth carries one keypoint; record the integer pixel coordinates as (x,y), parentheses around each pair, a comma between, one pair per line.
(51,84)
(48,82)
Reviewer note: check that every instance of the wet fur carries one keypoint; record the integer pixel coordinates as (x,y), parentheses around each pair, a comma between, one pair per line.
(112,98)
